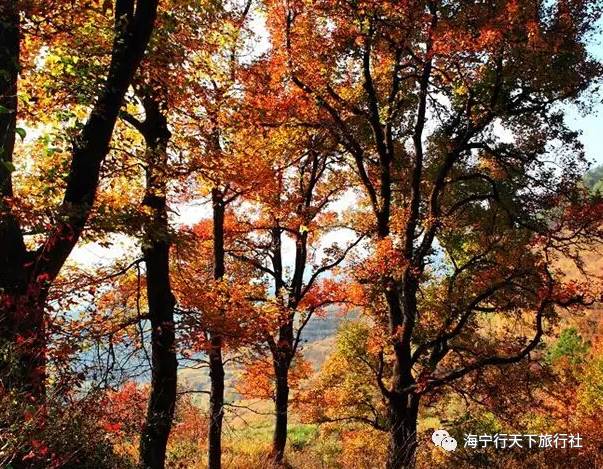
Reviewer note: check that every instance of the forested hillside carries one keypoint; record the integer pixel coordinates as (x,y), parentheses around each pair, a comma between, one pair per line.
(593,179)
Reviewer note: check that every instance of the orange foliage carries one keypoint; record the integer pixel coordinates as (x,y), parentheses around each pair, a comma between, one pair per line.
(124,410)
(257,379)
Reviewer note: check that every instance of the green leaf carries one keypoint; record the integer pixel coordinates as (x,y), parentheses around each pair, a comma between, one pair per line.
(4,110)
(21,133)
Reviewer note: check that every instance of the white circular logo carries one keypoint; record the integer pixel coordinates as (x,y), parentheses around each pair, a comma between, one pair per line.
(438,436)
(448,443)
(443,439)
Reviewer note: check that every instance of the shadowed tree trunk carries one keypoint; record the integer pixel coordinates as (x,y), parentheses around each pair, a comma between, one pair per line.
(26,276)
(283,351)
(282,364)
(21,303)
(403,431)
(280,358)
(161,302)
(216,364)
(403,405)
(13,278)
(216,404)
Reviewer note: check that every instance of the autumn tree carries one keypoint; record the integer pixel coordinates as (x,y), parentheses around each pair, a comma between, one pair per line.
(213,136)
(448,112)
(200,109)
(75,89)
(344,399)
(161,301)
(26,273)
(156,92)
(295,206)
(344,389)
(408,158)
(232,306)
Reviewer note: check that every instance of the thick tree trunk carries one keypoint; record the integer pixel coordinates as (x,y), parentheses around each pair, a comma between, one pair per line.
(281,407)
(282,357)
(216,364)
(162,399)
(161,302)
(9,58)
(403,431)
(403,404)
(216,405)
(13,276)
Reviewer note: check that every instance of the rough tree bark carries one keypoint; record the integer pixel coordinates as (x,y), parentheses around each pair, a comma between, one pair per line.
(403,404)
(282,363)
(280,358)
(216,363)
(403,431)
(26,276)
(161,302)
(12,252)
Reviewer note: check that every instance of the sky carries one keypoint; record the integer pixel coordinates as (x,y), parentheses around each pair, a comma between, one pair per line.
(591,124)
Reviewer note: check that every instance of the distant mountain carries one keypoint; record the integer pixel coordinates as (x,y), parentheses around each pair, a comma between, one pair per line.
(318,338)
(594,179)
(321,327)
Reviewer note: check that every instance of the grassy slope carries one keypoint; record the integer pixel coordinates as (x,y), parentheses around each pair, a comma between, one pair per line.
(590,323)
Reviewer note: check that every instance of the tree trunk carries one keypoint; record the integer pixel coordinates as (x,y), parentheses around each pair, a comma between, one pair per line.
(282,351)
(403,431)
(161,302)
(162,399)
(216,364)
(13,255)
(403,405)
(216,405)
(281,407)
(283,355)
(10,39)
